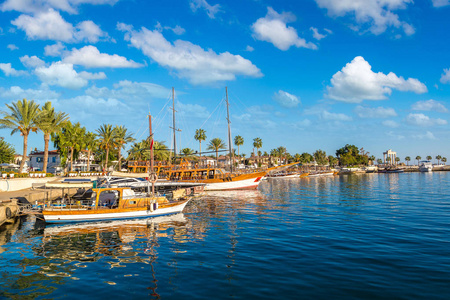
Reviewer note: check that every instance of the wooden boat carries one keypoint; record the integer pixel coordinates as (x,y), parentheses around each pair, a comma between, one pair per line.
(114,204)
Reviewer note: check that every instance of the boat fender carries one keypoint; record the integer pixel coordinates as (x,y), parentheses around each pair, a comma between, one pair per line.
(150,207)
(8,213)
(155,206)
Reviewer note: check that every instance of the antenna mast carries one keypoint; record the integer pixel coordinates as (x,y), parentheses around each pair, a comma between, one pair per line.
(229,132)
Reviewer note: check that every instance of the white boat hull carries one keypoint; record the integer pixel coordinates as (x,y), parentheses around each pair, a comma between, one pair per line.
(104,215)
(248,184)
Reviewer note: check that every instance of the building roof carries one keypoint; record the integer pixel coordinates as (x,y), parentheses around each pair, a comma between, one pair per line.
(51,152)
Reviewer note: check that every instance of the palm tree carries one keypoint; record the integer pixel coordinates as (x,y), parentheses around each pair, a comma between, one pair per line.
(397,160)
(6,152)
(22,117)
(107,139)
(282,152)
(407,159)
(187,152)
(200,135)
(429,157)
(91,144)
(297,157)
(418,158)
(379,161)
(438,157)
(257,143)
(238,141)
(444,160)
(216,144)
(69,139)
(122,138)
(50,122)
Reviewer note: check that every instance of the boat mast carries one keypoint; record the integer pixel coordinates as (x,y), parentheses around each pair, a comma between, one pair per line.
(174,127)
(152,173)
(229,132)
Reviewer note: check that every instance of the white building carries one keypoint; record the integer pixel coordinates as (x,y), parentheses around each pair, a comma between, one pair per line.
(37,161)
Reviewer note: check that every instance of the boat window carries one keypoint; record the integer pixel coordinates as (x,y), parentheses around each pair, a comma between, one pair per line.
(211,174)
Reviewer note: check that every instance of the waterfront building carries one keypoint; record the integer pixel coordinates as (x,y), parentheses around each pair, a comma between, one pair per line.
(36,159)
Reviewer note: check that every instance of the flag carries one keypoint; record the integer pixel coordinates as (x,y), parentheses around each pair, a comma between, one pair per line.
(151,145)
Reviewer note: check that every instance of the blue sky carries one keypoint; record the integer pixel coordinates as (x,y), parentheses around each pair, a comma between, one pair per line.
(308,75)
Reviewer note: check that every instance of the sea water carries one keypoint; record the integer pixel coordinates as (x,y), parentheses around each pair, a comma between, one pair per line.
(362,236)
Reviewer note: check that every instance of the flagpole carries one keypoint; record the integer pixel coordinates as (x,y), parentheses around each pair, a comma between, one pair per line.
(152,163)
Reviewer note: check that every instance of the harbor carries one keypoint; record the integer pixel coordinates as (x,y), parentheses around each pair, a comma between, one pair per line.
(369,235)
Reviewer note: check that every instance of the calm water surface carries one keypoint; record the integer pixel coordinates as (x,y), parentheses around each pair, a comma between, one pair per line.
(369,236)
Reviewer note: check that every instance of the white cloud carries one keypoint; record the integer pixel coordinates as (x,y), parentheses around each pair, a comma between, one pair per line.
(54,50)
(390,123)
(43,94)
(249,48)
(301,124)
(376,112)
(395,135)
(273,29)
(12,47)
(377,15)
(10,71)
(429,105)
(440,3)
(357,82)
(326,115)
(89,31)
(178,30)
(318,36)
(190,61)
(445,78)
(63,74)
(427,136)
(49,25)
(423,120)
(32,62)
(89,108)
(211,10)
(90,57)
(285,99)
(126,90)
(35,6)
(192,110)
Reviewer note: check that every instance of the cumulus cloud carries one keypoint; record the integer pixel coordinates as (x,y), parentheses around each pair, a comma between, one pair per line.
(35,6)
(10,71)
(445,78)
(49,25)
(390,123)
(440,3)
(249,48)
(376,112)
(12,47)
(374,15)
(90,57)
(190,61)
(43,94)
(326,115)
(423,120)
(32,61)
(318,36)
(63,74)
(285,99)
(54,50)
(273,29)
(394,135)
(211,10)
(178,30)
(192,110)
(126,90)
(357,82)
(426,136)
(429,105)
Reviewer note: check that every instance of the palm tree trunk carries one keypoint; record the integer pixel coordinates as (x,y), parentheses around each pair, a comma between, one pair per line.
(239,157)
(201,162)
(89,160)
(25,148)
(217,157)
(46,140)
(120,158)
(71,159)
(106,162)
